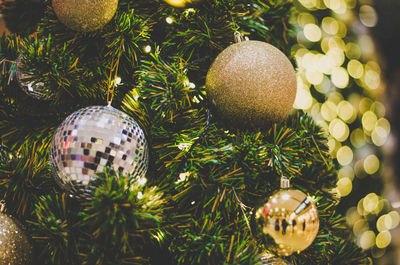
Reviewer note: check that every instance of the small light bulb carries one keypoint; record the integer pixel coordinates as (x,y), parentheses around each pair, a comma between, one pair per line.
(118,80)
(169,20)
(140,195)
(147,49)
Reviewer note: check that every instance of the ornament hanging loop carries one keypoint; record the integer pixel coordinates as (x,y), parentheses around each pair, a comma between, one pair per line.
(238,37)
(285,182)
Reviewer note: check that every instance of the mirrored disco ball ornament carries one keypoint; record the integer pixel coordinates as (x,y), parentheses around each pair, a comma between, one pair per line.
(291,218)
(93,138)
(35,89)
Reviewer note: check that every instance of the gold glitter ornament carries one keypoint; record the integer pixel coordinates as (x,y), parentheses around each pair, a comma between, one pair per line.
(15,248)
(291,218)
(85,15)
(251,84)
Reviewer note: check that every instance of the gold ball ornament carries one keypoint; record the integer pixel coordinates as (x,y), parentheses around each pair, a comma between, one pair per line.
(15,248)
(251,84)
(291,218)
(85,15)
(182,3)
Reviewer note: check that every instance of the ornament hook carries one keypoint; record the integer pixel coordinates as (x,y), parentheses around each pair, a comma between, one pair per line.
(2,205)
(285,182)
(238,37)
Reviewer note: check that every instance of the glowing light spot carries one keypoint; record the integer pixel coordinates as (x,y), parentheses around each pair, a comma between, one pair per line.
(176,3)
(344,186)
(314,77)
(118,80)
(368,16)
(140,195)
(328,111)
(169,20)
(346,172)
(330,25)
(383,239)
(359,227)
(395,219)
(303,99)
(367,239)
(326,64)
(371,202)
(339,130)
(340,78)
(384,223)
(344,155)
(364,105)
(353,51)
(337,55)
(369,120)
(372,79)
(142,181)
(147,49)
(371,164)
(308,3)
(305,18)
(346,111)
(355,69)
(312,32)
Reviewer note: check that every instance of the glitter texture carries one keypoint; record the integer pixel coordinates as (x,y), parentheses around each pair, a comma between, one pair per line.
(93,138)
(251,84)
(34,89)
(291,219)
(15,248)
(85,15)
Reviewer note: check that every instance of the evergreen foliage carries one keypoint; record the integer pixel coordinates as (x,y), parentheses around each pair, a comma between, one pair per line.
(205,180)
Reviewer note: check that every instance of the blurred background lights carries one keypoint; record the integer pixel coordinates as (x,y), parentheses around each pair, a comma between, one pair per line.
(357,138)
(383,239)
(330,25)
(371,164)
(370,202)
(339,130)
(340,78)
(344,155)
(355,69)
(368,16)
(353,51)
(346,111)
(312,32)
(369,120)
(344,186)
(346,172)
(303,99)
(328,111)
(367,239)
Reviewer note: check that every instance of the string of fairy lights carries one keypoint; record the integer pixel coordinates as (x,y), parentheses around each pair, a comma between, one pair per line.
(336,58)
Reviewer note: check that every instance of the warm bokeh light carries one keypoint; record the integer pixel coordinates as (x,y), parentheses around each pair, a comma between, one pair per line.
(371,164)
(344,155)
(336,60)
(312,32)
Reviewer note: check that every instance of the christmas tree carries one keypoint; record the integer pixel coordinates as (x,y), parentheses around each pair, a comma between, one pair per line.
(196,190)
